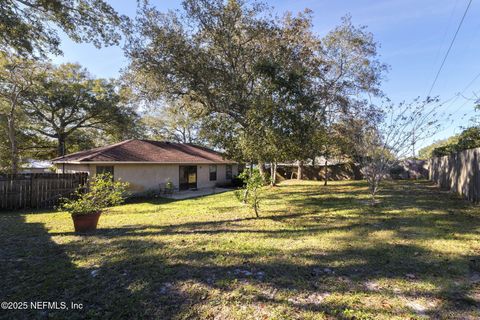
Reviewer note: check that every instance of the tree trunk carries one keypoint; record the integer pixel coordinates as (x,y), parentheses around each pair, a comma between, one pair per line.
(245,196)
(326,172)
(255,202)
(61,149)
(13,141)
(261,169)
(300,170)
(273,173)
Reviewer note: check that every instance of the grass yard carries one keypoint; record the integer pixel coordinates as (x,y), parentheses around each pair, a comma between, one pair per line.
(316,253)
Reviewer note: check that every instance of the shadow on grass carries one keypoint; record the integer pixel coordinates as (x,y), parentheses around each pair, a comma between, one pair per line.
(185,278)
(36,269)
(149,277)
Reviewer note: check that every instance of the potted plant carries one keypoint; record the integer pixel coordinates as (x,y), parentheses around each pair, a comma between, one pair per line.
(86,207)
(169,187)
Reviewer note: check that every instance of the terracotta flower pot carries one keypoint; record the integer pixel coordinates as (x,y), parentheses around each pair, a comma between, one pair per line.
(86,222)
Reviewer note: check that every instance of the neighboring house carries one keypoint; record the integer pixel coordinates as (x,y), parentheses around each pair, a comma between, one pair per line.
(149,165)
(36,166)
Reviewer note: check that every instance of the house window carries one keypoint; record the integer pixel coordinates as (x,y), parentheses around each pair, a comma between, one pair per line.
(105,169)
(213,172)
(228,172)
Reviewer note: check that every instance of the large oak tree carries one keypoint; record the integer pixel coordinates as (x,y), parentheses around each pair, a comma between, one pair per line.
(31,26)
(244,69)
(67,99)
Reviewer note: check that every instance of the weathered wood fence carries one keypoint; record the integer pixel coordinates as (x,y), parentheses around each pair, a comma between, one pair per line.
(37,190)
(343,171)
(459,172)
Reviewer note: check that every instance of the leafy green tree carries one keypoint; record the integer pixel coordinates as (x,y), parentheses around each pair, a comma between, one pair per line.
(254,182)
(66,99)
(468,139)
(173,121)
(222,55)
(476,118)
(347,71)
(31,26)
(286,112)
(17,77)
(444,150)
(428,151)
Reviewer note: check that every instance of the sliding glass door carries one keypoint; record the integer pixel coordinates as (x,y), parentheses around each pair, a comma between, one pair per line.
(188,177)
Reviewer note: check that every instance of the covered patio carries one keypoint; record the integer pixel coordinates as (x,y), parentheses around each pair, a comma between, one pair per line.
(187,194)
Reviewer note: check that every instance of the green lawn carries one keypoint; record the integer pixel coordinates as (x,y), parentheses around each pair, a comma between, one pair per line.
(316,253)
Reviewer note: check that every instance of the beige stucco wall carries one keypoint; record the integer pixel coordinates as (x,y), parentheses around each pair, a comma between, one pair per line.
(203,175)
(145,177)
(149,176)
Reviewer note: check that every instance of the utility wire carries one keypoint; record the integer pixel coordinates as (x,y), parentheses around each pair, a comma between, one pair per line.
(449,48)
(444,37)
(459,94)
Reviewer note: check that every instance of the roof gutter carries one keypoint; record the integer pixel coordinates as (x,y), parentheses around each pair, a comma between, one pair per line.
(140,162)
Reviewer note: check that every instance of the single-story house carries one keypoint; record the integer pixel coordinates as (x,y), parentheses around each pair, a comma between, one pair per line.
(148,165)
(36,166)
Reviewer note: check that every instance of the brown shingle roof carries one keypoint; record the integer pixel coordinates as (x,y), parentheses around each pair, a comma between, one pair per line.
(147,151)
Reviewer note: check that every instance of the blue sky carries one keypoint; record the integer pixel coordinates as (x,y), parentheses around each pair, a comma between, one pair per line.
(413,36)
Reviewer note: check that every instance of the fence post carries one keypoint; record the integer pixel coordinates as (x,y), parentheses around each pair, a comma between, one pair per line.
(475,178)
(31,191)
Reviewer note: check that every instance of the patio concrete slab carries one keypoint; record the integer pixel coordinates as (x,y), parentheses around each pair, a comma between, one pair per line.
(187,194)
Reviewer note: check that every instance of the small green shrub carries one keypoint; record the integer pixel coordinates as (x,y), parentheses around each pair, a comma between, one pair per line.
(444,150)
(468,139)
(103,192)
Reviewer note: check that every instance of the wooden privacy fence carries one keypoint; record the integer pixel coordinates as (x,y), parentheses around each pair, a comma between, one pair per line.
(341,171)
(37,190)
(459,172)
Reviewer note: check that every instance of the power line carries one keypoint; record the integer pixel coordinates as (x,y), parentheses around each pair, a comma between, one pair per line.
(461,106)
(451,120)
(449,48)
(444,37)
(452,100)
(455,97)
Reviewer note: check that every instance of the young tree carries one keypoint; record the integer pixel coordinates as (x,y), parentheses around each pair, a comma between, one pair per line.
(388,137)
(30,26)
(251,194)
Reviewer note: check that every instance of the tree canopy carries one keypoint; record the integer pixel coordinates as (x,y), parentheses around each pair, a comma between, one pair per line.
(468,139)
(266,89)
(227,74)
(173,121)
(47,110)
(66,99)
(29,27)
(427,152)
